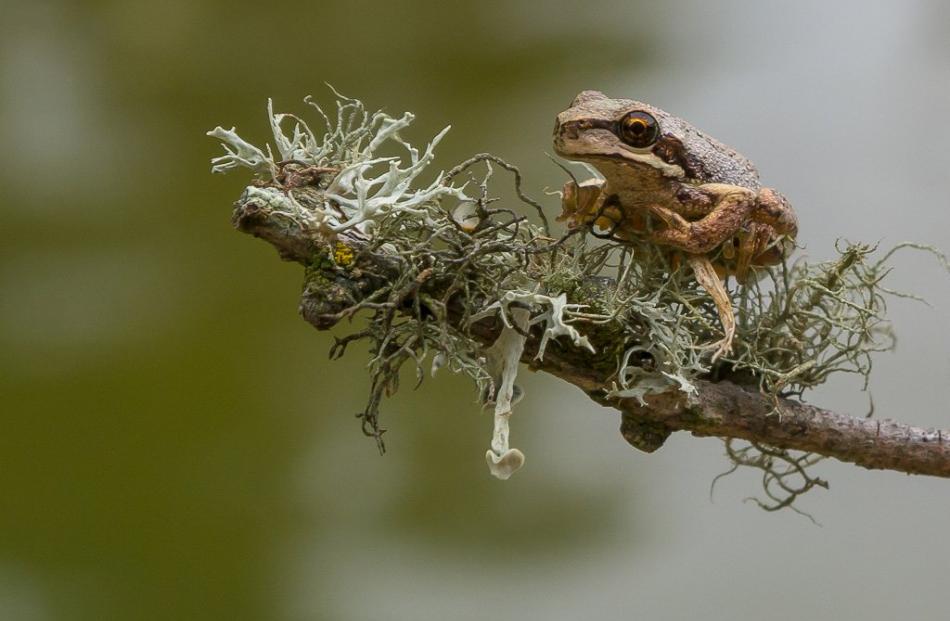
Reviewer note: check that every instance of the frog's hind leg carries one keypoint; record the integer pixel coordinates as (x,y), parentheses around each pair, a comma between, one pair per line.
(733,209)
(709,280)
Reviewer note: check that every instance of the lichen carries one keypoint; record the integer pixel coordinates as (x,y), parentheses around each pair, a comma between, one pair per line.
(502,360)
(364,186)
(553,312)
(798,323)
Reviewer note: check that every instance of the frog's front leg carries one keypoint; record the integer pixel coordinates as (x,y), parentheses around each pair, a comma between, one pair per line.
(581,203)
(589,203)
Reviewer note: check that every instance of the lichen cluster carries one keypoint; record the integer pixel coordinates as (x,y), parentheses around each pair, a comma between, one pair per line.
(462,256)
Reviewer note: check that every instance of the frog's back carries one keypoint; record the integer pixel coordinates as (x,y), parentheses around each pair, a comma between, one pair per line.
(705,159)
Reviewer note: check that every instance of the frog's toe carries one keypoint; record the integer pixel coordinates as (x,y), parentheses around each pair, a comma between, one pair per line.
(721,348)
(669,217)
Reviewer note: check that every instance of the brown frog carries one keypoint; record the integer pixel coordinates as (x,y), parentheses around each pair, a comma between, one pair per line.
(666,182)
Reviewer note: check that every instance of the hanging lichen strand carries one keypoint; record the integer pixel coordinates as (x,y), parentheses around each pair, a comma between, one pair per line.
(454,256)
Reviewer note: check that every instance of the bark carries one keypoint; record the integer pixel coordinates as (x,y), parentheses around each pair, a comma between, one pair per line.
(724,408)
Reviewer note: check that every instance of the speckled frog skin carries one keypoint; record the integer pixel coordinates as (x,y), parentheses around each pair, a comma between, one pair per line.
(669,183)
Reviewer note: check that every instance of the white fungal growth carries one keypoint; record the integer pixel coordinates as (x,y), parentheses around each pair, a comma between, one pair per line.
(503,358)
(284,205)
(366,186)
(555,313)
(635,382)
(239,153)
(557,323)
(466,216)
(367,198)
(516,309)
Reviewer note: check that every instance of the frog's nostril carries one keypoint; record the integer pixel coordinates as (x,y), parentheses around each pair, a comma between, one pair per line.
(569,129)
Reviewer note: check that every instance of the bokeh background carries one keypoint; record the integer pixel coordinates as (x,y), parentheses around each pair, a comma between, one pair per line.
(174,443)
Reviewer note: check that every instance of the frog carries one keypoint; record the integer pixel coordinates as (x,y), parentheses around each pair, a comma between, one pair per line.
(661,180)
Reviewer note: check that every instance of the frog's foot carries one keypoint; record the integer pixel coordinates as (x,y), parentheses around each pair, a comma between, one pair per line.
(672,220)
(582,203)
(722,347)
(709,280)
(774,209)
(751,246)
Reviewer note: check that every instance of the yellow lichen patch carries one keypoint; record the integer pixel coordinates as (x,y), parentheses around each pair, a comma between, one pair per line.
(343,254)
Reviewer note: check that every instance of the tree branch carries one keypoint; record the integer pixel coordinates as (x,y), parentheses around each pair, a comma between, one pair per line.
(728,408)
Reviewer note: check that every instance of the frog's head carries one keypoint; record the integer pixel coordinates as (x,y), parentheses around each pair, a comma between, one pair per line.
(644,140)
(598,129)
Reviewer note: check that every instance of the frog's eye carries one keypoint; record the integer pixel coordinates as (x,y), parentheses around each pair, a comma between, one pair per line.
(639,129)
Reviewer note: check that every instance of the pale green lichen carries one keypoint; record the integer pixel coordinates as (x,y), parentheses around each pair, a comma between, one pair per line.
(364,186)
(553,312)
(240,153)
(502,361)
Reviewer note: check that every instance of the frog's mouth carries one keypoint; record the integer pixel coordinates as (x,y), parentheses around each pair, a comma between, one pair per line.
(648,157)
(612,150)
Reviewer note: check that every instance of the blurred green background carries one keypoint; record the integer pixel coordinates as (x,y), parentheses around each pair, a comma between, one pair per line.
(175,444)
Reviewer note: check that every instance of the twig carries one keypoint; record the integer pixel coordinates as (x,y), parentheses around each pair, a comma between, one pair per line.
(720,408)
(488,157)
